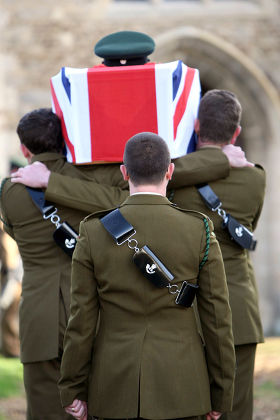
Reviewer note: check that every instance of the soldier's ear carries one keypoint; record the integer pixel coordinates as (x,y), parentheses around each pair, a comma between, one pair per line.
(25,151)
(235,135)
(196,126)
(170,171)
(124,173)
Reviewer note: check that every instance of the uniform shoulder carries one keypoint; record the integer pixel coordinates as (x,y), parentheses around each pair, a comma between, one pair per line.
(5,184)
(198,221)
(254,175)
(257,169)
(12,197)
(97,215)
(193,214)
(8,187)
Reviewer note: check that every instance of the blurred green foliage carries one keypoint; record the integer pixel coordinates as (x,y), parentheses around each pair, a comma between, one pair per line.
(11,381)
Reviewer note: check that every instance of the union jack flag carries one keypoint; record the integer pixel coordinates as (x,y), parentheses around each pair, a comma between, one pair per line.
(102,107)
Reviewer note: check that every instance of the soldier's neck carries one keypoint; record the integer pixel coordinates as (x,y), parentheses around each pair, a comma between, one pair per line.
(156,189)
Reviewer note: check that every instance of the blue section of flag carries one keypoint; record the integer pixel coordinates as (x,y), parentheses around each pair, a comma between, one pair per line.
(193,141)
(192,144)
(66,83)
(177,76)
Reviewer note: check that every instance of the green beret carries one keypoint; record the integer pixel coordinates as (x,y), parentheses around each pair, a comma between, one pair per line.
(131,46)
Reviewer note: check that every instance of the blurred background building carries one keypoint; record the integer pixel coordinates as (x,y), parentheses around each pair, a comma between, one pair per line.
(234,44)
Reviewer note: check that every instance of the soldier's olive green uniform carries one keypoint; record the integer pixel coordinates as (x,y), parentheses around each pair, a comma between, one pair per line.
(147,358)
(242,194)
(45,299)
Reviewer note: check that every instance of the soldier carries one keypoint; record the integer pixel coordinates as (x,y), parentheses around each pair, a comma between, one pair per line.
(147,359)
(242,195)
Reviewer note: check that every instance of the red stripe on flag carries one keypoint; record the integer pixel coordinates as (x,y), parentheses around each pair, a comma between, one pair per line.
(59,113)
(122,102)
(182,103)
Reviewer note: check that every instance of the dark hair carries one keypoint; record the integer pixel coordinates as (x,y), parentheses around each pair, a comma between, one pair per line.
(146,158)
(40,131)
(219,115)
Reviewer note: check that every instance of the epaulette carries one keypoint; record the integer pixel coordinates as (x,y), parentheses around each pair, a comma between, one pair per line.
(208,226)
(257,165)
(196,213)
(98,214)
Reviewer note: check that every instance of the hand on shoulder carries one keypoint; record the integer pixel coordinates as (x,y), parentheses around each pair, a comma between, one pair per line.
(236,156)
(35,175)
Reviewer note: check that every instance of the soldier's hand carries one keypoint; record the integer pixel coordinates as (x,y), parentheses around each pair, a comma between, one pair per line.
(236,156)
(213,415)
(35,175)
(77,409)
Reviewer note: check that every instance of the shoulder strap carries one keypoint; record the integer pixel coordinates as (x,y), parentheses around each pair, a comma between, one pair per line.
(148,263)
(38,198)
(64,235)
(121,230)
(118,227)
(210,198)
(239,233)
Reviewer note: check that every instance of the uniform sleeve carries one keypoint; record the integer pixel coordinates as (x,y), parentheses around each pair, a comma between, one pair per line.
(202,166)
(4,203)
(261,200)
(83,195)
(81,327)
(205,165)
(215,317)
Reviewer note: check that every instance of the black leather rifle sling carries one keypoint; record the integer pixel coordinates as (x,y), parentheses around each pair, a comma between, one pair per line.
(147,262)
(64,235)
(239,233)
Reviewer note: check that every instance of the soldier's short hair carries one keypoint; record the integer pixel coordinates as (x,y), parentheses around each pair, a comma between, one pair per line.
(146,158)
(219,115)
(40,131)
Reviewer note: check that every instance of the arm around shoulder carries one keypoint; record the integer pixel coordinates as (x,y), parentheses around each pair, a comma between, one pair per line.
(88,196)
(205,165)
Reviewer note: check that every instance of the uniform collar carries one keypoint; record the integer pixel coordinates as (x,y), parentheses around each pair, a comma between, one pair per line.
(47,157)
(146,192)
(146,199)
